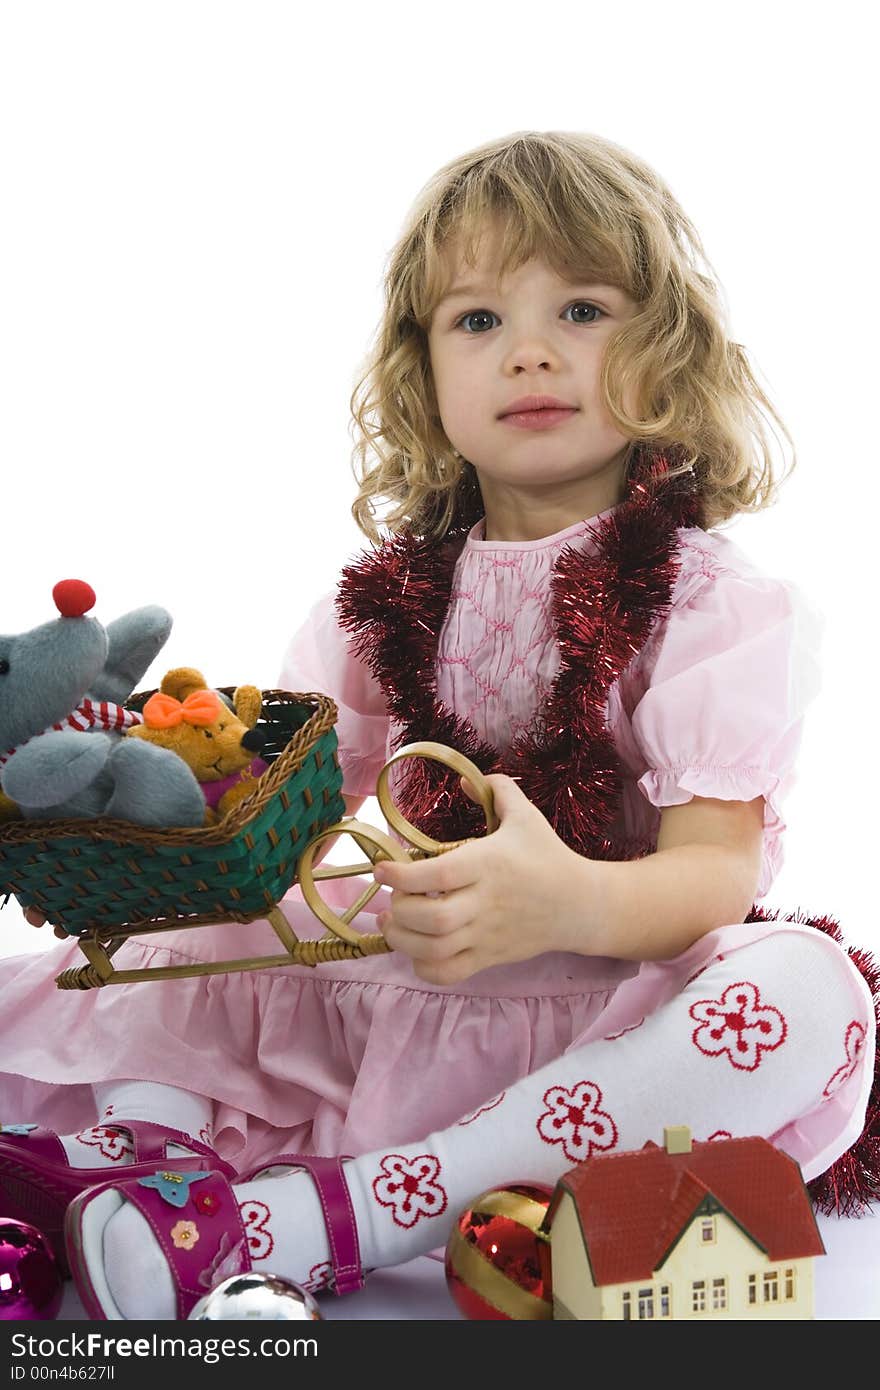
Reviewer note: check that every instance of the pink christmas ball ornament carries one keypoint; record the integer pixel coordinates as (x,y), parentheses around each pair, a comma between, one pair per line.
(31,1285)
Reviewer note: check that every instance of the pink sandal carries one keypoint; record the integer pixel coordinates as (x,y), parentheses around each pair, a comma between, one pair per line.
(346,1273)
(197,1223)
(37,1181)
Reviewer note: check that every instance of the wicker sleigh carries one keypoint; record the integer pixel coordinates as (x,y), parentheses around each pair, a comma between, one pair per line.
(106,880)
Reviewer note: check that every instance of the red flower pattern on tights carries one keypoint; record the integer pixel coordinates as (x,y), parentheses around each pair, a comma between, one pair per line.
(739,1026)
(574,1120)
(112,1143)
(410,1188)
(254,1216)
(853,1045)
(319,1277)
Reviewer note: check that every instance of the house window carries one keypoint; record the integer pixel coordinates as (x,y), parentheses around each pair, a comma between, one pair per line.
(664,1301)
(753,1288)
(707,1231)
(646,1303)
(789,1285)
(719,1293)
(698,1289)
(771,1287)
(627,1304)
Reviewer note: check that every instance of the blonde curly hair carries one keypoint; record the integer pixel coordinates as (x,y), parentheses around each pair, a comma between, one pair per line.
(591,210)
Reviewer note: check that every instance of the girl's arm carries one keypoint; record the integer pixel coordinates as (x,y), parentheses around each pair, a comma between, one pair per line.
(703,875)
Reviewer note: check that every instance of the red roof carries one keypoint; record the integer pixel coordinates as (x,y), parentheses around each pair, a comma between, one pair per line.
(633,1206)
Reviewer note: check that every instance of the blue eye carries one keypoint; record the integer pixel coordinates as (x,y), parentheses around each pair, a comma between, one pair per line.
(578,304)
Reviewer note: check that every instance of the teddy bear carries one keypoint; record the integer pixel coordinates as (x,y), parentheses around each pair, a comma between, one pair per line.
(62,716)
(216,738)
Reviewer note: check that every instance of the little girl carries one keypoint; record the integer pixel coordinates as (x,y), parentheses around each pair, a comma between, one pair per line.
(560,422)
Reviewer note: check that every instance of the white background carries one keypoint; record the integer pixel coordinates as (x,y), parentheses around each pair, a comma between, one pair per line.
(198,200)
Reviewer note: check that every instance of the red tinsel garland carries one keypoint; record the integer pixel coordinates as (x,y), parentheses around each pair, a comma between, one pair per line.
(604,605)
(853,1181)
(394,601)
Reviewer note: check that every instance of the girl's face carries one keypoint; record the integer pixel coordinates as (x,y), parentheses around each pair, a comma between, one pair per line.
(535,335)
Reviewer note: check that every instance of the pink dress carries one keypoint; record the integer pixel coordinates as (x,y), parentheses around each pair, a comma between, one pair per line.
(350,1056)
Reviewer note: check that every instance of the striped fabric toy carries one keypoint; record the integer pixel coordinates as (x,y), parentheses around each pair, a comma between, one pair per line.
(91,714)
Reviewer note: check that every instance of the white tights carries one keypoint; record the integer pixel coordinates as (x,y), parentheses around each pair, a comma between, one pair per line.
(760,1037)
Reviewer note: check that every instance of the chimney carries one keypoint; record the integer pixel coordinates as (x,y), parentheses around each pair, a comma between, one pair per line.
(677,1139)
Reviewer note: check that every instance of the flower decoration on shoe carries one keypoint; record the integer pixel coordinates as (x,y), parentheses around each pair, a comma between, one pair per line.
(196,1253)
(21,1130)
(231,1258)
(207,1203)
(174,1187)
(185,1234)
(410,1188)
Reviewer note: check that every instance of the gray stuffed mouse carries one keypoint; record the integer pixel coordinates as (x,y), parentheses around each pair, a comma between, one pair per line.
(62,689)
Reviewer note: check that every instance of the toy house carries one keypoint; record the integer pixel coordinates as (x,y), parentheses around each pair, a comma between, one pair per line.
(723,1229)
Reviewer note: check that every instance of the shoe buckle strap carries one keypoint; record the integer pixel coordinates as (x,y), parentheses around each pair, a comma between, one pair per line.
(345,1253)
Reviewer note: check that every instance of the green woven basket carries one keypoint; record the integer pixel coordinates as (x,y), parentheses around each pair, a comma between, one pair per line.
(96,875)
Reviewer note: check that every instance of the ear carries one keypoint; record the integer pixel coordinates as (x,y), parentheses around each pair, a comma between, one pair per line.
(133,641)
(248,702)
(182,681)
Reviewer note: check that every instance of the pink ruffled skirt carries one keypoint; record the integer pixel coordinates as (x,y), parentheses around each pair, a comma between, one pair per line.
(349,1056)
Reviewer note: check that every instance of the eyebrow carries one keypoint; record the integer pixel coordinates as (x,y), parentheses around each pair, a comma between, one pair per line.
(463,291)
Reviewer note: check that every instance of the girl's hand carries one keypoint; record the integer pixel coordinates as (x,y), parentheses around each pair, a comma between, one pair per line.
(495,900)
(36,919)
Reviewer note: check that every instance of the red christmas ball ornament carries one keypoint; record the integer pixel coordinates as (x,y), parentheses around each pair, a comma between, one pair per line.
(31,1286)
(73,597)
(497,1263)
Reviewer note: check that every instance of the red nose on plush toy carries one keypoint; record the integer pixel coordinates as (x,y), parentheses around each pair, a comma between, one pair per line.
(73,597)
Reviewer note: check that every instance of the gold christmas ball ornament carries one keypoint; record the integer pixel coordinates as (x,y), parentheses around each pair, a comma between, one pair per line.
(497,1260)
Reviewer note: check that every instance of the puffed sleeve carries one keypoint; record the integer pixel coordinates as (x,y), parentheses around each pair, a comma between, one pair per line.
(722,716)
(319,657)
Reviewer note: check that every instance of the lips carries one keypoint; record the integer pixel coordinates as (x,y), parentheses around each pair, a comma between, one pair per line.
(530,404)
(545,419)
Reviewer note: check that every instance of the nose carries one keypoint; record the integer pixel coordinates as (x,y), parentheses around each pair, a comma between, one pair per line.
(253,740)
(73,597)
(531,353)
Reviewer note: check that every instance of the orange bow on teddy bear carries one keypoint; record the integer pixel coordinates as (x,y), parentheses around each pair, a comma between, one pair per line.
(217,742)
(201,707)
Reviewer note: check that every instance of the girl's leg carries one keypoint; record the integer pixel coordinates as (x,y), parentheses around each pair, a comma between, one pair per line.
(108,1143)
(752,1042)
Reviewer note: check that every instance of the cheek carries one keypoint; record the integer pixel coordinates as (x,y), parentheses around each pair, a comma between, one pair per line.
(446,375)
(457,401)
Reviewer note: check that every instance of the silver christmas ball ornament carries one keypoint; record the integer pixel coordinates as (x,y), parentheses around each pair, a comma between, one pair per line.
(267,1297)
